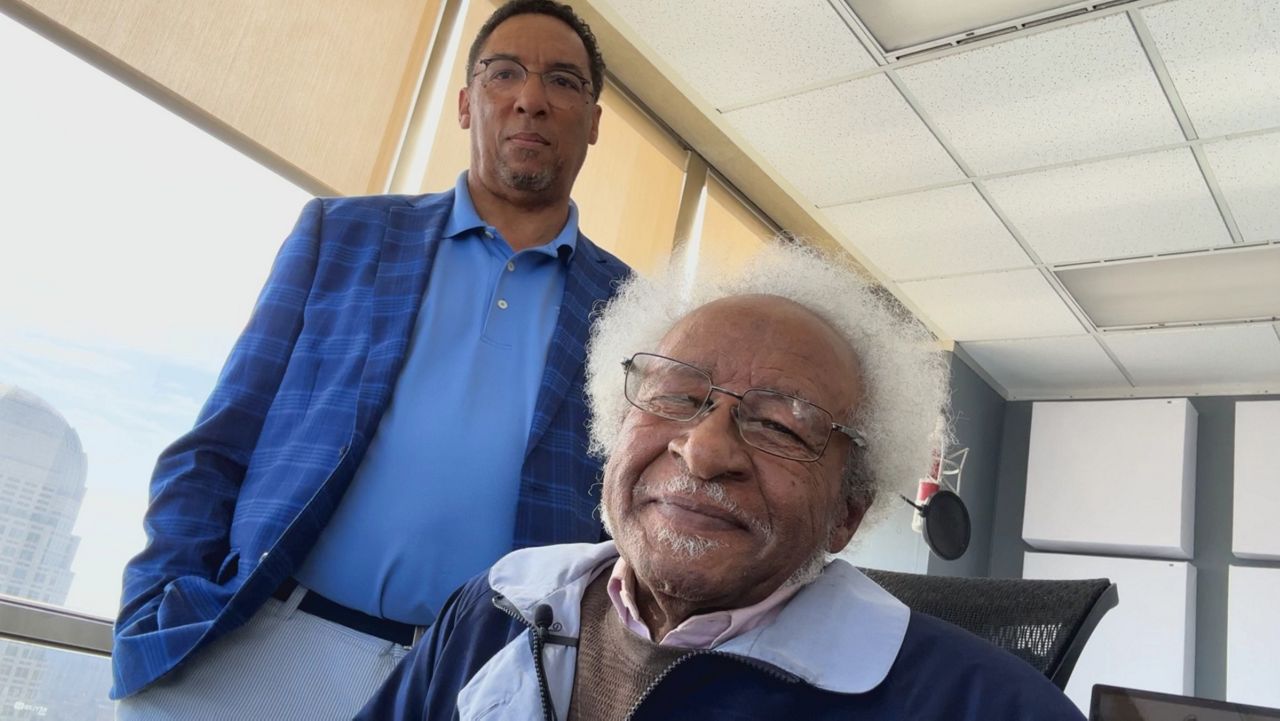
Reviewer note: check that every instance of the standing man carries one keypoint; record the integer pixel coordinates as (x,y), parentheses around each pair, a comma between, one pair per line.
(404,407)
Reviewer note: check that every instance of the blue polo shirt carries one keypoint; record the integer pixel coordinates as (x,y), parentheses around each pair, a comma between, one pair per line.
(434,500)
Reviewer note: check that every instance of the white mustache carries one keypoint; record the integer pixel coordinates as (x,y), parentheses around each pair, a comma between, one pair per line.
(686,484)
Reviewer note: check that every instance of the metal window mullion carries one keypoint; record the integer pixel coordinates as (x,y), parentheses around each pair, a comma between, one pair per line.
(35,623)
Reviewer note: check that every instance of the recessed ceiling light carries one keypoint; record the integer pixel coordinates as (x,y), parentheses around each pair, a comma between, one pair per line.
(904,27)
(1219,286)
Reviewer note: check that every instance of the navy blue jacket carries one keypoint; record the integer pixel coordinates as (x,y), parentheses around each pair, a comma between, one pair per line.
(237,503)
(842,648)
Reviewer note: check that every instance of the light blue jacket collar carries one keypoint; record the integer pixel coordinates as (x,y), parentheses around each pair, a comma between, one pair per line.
(840,633)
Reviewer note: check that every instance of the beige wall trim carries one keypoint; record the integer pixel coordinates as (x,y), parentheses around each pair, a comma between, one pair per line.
(166,98)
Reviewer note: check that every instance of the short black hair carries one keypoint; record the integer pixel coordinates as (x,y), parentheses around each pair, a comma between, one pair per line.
(557,10)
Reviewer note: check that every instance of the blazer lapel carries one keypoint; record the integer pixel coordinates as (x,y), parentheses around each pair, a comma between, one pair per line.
(587,281)
(404,268)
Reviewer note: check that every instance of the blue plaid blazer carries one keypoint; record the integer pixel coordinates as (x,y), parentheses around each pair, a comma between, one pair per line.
(236,503)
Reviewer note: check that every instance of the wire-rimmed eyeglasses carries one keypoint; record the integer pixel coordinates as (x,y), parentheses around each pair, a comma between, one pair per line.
(565,89)
(776,423)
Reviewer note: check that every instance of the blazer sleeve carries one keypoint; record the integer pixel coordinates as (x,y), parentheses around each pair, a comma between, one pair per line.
(197,479)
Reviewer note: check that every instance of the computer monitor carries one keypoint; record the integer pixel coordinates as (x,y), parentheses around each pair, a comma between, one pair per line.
(1112,703)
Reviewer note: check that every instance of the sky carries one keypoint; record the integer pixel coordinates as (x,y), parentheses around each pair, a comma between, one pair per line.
(132,248)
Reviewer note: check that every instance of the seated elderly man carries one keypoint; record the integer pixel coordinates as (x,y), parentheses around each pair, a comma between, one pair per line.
(745,442)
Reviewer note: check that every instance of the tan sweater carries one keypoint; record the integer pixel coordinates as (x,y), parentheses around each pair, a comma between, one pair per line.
(615,666)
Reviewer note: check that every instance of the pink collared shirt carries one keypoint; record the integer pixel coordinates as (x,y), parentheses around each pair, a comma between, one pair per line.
(706,630)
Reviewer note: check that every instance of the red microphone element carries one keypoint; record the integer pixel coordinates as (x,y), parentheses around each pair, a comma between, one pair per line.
(924,491)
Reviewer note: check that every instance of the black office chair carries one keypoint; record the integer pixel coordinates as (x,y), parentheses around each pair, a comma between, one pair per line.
(1045,623)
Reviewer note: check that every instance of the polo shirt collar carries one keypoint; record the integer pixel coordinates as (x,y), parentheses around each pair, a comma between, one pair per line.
(463,218)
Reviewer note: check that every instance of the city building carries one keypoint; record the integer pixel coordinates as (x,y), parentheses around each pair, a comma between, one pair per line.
(42,484)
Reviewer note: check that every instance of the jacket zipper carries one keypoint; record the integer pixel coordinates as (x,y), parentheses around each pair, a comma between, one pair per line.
(502,604)
(761,666)
(537,638)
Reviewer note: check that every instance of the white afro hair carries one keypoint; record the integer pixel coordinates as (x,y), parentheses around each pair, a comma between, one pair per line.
(903,371)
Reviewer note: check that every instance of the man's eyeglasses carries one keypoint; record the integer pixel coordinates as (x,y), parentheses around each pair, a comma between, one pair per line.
(776,423)
(565,89)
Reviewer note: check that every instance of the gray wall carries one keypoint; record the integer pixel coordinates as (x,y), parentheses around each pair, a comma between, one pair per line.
(1212,553)
(1011,493)
(977,414)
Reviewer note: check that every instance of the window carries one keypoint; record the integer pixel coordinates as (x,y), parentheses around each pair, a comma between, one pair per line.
(323,86)
(124,283)
(120,295)
(44,683)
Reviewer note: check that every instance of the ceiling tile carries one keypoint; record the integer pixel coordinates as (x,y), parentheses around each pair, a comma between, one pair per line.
(1248,171)
(1229,284)
(1224,58)
(1077,92)
(851,140)
(993,306)
(901,24)
(1137,205)
(1047,366)
(937,232)
(1221,355)
(750,49)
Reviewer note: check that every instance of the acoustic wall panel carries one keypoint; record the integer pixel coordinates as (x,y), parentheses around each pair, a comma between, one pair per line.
(1253,635)
(1257,480)
(1148,640)
(1112,477)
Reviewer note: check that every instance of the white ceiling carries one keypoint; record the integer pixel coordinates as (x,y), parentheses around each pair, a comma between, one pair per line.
(965,177)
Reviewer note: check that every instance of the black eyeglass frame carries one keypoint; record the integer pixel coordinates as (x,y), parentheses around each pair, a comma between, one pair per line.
(857,438)
(484,63)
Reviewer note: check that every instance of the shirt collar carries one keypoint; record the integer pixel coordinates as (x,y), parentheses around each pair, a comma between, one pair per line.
(840,613)
(463,218)
(704,630)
